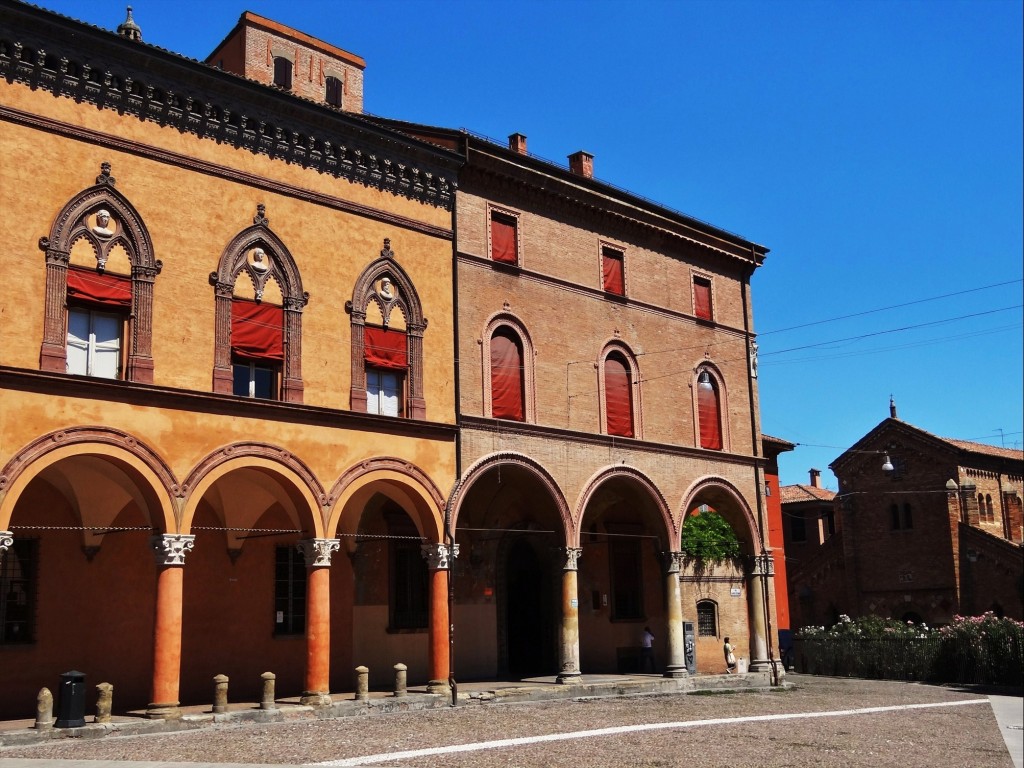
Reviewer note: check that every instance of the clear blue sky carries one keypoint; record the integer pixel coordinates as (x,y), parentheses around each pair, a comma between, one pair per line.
(875,147)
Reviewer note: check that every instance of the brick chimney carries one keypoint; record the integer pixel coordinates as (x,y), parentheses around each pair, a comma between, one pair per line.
(517,143)
(815,478)
(582,164)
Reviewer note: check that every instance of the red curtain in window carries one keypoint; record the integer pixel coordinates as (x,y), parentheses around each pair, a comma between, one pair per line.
(257,330)
(702,298)
(614,282)
(618,397)
(709,416)
(385,348)
(506,378)
(92,287)
(503,240)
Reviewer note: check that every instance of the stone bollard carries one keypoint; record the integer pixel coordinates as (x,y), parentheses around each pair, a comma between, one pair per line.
(401,675)
(362,684)
(44,710)
(267,699)
(104,702)
(220,694)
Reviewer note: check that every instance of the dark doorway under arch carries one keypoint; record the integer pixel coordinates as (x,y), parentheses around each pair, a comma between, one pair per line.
(529,611)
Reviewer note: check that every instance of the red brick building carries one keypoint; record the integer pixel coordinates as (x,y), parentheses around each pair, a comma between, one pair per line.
(607,390)
(934,534)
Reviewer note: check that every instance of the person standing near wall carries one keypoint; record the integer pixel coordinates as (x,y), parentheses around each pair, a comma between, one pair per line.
(730,656)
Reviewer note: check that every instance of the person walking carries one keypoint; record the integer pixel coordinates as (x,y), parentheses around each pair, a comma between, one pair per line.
(730,657)
(647,651)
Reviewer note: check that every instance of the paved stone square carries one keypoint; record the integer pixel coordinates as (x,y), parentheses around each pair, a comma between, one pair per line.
(920,725)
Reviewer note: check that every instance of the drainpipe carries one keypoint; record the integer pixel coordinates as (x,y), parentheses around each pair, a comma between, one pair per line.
(758,478)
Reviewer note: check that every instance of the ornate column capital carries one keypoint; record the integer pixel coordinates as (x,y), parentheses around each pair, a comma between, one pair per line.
(318,551)
(763,565)
(6,542)
(572,557)
(171,548)
(439,556)
(671,562)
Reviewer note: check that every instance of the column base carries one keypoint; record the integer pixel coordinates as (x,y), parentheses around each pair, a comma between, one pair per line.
(169,711)
(569,678)
(759,665)
(315,699)
(440,687)
(674,671)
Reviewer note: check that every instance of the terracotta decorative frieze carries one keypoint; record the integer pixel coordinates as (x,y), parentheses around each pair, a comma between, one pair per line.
(317,552)
(26,456)
(439,557)
(487,463)
(307,137)
(171,548)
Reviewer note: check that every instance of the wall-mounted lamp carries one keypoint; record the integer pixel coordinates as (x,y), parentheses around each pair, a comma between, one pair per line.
(887,465)
(704,380)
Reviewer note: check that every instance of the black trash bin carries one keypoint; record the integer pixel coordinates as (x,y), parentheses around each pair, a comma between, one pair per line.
(71,701)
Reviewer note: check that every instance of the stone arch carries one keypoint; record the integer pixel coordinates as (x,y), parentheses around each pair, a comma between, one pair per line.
(297,480)
(728,502)
(405,299)
(636,476)
(138,459)
(234,262)
(618,347)
(402,482)
(509,320)
(723,402)
(76,221)
(482,465)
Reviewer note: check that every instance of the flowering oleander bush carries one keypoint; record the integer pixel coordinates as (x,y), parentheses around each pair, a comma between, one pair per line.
(972,649)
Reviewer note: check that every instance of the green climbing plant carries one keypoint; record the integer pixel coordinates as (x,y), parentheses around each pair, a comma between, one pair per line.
(708,537)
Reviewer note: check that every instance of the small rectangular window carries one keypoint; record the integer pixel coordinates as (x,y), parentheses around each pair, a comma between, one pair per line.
(702,307)
(707,624)
(383,392)
(828,524)
(18,592)
(333,91)
(252,379)
(289,591)
(613,271)
(504,239)
(797,528)
(94,343)
(282,72)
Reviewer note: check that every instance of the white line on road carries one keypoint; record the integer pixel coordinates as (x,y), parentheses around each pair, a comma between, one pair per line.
(524,740)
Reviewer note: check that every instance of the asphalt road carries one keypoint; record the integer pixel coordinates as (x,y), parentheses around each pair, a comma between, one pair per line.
(817,722)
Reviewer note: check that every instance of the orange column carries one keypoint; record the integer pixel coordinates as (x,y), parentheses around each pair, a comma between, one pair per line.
(170,550)
(439,557)
(676,666)
(318,553)
(569,636)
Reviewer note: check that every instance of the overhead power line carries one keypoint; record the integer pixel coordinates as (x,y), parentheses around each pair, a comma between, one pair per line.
(894,306)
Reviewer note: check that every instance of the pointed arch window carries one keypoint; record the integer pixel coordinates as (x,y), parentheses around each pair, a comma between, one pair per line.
(618,396)
(709,412)
(259,302)
(507,400)
(387,326)
(100,272)
(507,366)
